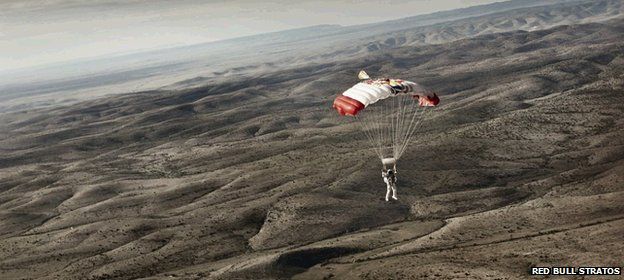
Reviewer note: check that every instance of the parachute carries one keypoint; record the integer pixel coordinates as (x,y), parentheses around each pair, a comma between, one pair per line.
(389,111)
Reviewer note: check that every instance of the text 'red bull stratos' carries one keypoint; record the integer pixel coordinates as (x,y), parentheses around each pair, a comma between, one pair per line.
(389,110)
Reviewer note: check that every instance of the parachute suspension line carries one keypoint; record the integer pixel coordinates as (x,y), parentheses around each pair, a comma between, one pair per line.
(372,137)
(378,120)
(408,117)
(385,125)
(388,124)
(371,127)
(405,106)
(414,129)
(397,106)
(397,124)
(375,120)
(368,134)
(415,117)
(424,112)
(367,131)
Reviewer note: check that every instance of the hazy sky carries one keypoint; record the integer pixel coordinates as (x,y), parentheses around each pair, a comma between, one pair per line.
(37,32)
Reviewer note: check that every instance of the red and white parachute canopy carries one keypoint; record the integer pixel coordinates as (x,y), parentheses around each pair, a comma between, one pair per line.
(369,92)
(389,110)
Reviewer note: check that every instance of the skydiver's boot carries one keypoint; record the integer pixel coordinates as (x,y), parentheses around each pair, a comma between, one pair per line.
(394,193)
(388,188)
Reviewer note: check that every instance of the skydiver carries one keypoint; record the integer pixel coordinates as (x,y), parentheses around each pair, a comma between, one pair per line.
(389,177)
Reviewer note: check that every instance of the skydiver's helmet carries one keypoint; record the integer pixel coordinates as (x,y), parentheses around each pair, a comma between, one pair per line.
(390,172)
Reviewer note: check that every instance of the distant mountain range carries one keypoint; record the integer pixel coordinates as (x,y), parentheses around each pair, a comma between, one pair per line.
(197,64)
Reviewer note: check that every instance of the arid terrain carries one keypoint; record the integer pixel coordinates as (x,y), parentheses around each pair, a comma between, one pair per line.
(254,176)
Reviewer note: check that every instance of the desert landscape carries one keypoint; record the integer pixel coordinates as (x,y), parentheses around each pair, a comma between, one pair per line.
(246,171)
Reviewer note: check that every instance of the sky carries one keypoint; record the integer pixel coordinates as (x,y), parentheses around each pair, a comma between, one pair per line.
(40,32)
